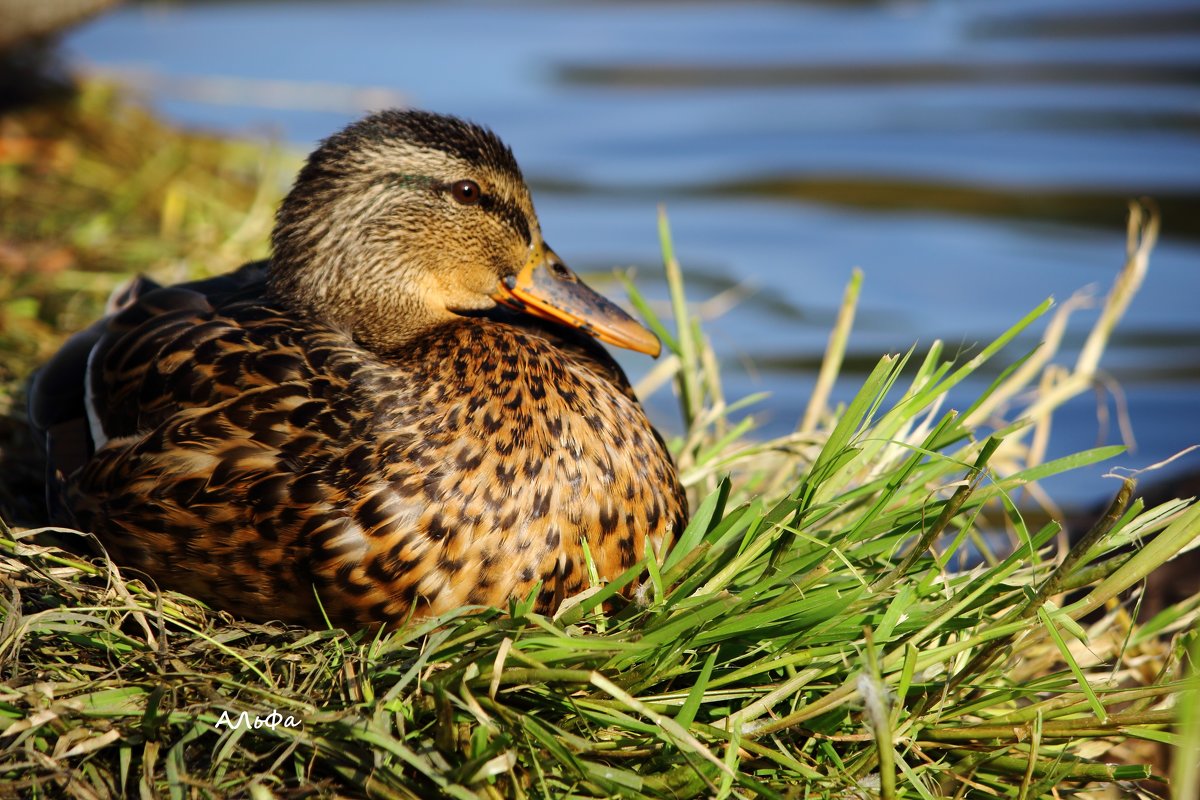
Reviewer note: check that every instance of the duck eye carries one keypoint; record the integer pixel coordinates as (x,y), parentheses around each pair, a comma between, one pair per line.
(466,193)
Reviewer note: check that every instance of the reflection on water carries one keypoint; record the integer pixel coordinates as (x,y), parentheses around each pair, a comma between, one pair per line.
(971,158)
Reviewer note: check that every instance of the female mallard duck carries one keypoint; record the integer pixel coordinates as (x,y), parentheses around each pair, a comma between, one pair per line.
(401,412)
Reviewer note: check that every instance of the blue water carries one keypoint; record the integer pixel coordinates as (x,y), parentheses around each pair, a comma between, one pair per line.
(615,107)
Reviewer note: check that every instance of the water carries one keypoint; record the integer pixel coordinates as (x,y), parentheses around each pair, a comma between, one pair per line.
(972,158)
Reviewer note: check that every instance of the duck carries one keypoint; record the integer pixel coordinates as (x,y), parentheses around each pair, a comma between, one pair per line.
(406,409)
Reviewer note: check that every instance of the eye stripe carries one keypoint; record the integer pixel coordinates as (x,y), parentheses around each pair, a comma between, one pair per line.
(509,212)
(505,209)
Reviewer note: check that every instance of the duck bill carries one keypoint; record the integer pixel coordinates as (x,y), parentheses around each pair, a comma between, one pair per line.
(546,288)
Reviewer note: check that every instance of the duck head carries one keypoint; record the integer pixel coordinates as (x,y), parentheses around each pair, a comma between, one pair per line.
(406,220)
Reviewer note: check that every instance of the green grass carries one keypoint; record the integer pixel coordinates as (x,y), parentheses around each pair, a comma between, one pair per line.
(814,632)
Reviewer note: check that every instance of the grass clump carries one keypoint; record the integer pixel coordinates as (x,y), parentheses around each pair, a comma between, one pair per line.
(838,619)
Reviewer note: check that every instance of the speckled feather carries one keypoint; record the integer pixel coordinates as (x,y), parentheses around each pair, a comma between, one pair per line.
(258,457)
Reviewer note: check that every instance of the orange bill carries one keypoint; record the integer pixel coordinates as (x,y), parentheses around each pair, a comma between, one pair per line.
(545,287)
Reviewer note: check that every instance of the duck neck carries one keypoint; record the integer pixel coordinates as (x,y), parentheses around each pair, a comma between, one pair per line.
(375,304)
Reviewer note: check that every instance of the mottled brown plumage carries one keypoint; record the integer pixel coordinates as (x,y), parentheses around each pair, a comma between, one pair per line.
(399,413)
